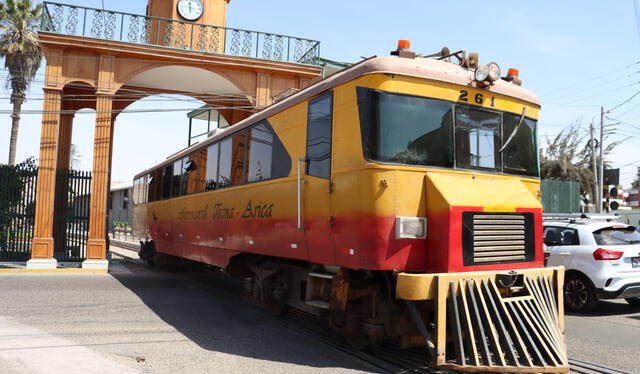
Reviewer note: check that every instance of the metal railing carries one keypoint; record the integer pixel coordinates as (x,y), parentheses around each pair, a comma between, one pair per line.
(17,211)
(168,33)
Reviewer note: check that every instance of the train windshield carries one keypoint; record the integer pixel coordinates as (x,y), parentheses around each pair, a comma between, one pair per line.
(414,130)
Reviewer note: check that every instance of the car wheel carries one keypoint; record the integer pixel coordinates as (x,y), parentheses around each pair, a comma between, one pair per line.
(635,301)
(579,294)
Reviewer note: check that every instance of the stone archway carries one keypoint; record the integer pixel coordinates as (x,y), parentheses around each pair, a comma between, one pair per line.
(103,70)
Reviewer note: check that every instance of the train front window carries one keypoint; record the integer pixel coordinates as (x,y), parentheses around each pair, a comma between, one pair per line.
(521,154)
(406,129)
(477,139)
(413,130)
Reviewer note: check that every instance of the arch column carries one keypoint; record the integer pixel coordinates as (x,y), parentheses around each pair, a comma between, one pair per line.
(43,244)
(103,140)
(64,146)
(61,202)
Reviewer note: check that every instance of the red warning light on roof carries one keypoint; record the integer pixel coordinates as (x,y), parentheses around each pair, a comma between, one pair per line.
(404,44)
(512,72)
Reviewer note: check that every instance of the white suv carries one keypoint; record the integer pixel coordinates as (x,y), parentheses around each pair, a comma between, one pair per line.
(601,258)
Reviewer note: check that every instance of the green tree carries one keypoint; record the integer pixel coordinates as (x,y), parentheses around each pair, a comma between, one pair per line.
(567,156)
(20,47)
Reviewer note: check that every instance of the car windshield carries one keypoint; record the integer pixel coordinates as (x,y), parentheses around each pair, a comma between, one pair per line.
(617,236)
(417,130)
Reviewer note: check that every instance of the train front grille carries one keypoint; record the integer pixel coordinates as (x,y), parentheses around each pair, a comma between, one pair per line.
(496,238)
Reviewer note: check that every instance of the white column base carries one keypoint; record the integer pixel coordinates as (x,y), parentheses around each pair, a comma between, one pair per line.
(95,264)
(48,263)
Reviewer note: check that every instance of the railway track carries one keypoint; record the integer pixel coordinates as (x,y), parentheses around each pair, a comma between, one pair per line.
(388,358)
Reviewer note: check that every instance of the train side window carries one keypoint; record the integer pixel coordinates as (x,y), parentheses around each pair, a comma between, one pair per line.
(136,185)
(151,187)
(177,179)
(319,122)
(196,171)
(259,155)
(167,178)
(157,181)
(238,150)
(224,170)
(211,177)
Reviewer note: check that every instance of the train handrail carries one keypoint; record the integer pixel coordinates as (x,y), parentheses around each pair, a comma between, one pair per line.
(299,195)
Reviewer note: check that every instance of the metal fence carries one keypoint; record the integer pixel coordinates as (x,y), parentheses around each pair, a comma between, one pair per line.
(168,33)
(560,196)
(71,210)
(17,211)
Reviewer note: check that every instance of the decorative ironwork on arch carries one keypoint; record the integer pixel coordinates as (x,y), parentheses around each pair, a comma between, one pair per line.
(168,33)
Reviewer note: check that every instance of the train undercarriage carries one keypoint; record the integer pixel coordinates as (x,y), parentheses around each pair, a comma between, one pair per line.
(476,321)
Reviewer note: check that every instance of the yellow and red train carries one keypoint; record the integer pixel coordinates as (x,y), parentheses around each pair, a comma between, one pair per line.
(399,198)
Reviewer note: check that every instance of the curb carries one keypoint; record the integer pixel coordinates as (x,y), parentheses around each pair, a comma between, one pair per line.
(62,270)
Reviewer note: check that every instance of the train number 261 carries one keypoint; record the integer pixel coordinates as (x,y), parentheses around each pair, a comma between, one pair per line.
(478,98)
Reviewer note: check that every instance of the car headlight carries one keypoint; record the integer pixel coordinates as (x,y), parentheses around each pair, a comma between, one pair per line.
(411,227)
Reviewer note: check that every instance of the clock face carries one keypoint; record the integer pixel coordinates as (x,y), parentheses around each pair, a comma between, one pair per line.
(190,9)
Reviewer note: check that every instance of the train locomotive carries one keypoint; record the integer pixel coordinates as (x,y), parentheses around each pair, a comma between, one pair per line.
(397,198)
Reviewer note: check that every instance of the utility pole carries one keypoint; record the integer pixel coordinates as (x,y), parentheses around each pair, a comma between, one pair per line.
(594,164)
(601,171)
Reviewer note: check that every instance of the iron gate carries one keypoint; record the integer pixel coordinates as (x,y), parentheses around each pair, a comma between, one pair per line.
(71,210)
(17,210)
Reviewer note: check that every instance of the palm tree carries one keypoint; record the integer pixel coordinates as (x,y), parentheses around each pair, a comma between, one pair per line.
(20,47)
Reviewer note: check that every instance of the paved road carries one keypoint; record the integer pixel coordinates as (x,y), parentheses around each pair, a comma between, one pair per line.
(139,320)
(609,336)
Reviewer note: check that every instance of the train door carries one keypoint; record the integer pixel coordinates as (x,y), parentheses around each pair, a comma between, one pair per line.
(316,191)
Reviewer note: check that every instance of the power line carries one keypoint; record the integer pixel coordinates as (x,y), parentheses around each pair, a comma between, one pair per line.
(594,87)
(598,94)
(590,79)
(624,102)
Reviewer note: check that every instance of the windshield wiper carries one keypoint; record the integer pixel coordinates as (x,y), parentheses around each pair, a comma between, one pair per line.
(513,133)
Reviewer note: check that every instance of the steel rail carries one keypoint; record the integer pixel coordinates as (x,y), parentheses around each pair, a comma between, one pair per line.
(389,357)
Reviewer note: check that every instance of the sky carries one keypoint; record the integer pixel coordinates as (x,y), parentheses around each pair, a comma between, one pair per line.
(575,55)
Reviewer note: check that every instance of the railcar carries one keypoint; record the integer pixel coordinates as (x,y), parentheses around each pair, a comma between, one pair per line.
(397,198)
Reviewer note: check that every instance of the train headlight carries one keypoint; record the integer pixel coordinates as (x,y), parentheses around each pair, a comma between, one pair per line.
(494,72)
(482,72)
(489,72)
(411,227)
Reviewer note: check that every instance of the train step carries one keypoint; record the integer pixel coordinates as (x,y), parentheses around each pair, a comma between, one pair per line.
(318,304)
(322,275)
(319,289)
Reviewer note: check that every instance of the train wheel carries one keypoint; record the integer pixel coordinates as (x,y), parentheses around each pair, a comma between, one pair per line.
(268,287)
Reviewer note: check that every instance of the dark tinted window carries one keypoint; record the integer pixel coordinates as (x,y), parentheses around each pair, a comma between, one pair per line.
(617,236)
(259,158)
(521,154)
(125,199)
(224,171)
(319,136)
(406,129)
(477,138)
(211,178)
(560,236)
(167,178)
